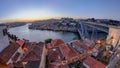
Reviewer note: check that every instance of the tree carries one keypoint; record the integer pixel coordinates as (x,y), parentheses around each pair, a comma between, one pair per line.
(48,40)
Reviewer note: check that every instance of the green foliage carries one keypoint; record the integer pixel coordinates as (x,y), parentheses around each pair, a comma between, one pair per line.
(48,40)
(13,37)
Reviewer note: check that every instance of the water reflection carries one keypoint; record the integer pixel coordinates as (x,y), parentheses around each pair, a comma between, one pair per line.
(40,35)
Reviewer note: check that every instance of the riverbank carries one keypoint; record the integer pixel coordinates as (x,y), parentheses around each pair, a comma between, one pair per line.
(23,32)
(53,28)
(68,25)
(15,24)
(64,24)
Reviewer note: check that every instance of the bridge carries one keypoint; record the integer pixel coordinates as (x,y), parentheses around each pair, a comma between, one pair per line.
(113,37)
(84,29)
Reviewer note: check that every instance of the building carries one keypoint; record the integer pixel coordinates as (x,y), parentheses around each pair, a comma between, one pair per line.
(21,42)
(81,47)
(55,58)
(10,54)
(69,53)
(21,54)
(34,56)
(55,43)
(61,54)
(113,37)
(55,55)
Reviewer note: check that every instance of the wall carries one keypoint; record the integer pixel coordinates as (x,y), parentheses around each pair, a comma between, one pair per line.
(115,33)
(43,58)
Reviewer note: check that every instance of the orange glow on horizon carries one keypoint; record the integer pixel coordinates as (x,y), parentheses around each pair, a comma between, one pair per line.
(27,20)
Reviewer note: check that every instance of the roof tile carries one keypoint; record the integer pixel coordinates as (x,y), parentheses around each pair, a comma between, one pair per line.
(21,42)
(6,54)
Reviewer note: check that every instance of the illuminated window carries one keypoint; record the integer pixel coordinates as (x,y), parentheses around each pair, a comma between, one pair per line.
(111,40)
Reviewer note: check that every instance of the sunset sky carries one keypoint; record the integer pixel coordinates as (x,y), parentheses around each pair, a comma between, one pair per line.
(41,9)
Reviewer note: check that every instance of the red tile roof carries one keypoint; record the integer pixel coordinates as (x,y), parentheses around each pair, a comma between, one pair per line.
(18,65)
(4,66)
(7,53)
(29,45)
(57,66)
(55,55)
(52,66)
(21,42)
(16,57)
(49,45)
(92,63)
(34,52)
(56,42)
(68,51)
(31,57)
(63,66)
(82,45)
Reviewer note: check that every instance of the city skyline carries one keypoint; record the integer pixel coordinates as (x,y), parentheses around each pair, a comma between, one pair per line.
(45,9)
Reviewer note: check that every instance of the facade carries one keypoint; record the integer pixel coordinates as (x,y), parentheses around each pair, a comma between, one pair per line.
(114,36)
(113,39)
(43,58)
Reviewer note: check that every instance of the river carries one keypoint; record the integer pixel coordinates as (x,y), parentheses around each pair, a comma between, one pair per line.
(40,35)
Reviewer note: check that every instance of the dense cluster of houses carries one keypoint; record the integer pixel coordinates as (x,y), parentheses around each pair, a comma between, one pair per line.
(56,54)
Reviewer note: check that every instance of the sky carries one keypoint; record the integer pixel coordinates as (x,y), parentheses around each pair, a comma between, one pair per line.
(41,9)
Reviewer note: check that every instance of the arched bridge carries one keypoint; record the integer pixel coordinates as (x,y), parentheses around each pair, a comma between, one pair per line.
(84,29)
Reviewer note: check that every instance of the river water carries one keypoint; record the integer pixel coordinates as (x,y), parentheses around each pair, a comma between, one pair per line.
(40,35)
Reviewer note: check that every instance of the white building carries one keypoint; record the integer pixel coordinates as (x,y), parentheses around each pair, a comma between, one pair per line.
(4,42)
(114,36)
(114,39)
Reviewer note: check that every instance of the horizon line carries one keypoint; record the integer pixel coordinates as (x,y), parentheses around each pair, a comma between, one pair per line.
(40,19)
